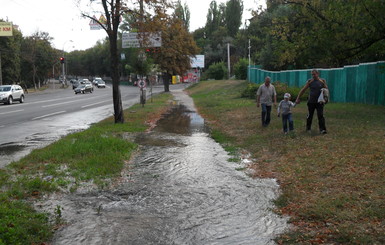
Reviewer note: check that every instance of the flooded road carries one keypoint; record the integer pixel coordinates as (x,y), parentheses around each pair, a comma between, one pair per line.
(179,189)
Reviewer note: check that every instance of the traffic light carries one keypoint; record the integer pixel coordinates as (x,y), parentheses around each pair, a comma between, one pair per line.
(62,60)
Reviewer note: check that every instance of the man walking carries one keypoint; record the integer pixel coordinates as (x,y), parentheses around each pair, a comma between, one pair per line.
(315,84)
(265,95)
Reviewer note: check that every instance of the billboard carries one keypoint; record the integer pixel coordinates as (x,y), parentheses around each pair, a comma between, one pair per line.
(6,29)
(198,61)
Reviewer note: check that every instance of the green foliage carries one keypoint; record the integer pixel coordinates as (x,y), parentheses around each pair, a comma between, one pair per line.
(233,14)
(281,88)
(217,71)
(240,69)
(20,224)
(11,55)
(250,91)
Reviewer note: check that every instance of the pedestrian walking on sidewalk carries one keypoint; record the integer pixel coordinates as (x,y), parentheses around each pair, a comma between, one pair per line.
(266,97)
(284,109)
(315,84)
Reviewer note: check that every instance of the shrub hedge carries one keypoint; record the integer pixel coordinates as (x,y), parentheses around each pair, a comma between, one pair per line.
(281,88)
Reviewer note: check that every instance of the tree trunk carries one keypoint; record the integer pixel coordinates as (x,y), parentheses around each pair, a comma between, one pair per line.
(166,82)
(117,99)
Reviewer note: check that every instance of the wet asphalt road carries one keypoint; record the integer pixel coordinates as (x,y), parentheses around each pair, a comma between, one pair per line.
(46,116)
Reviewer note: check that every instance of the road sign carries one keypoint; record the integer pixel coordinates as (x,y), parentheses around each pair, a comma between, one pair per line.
(94,25)
(134,40)
(141,83)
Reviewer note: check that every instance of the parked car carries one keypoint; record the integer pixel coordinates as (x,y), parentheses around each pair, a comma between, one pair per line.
(84,88)
(10,93)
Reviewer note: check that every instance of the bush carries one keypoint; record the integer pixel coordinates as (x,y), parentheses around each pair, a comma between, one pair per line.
(281,88)
(216,71)
(250,91)
(240,69)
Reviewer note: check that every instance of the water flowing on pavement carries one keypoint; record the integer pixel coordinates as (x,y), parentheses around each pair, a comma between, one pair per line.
(179,189)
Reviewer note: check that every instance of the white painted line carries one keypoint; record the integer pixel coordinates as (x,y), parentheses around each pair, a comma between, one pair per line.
(95,103)
(61,103)
(48,115)
(66,102)
(9,112)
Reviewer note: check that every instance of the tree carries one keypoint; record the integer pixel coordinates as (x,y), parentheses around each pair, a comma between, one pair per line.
(38,57)
(10,57)
(183,13)
(178,46)
(304,33)
(233,14)
(215,18)
(112,11)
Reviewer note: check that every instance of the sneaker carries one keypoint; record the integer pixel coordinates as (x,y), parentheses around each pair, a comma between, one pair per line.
(323,132)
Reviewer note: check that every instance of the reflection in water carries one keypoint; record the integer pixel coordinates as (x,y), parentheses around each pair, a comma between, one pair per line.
(14,151)
(9,148)
(181,192)
(181,121)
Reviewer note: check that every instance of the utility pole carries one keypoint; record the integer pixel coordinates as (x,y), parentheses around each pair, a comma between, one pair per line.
(1,72)
(228,59)
(64,75)
(249,53)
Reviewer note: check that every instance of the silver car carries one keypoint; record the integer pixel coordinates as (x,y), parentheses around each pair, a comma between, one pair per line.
(83,88)
(10,93)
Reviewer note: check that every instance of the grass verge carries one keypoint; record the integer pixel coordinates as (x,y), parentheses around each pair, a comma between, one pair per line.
(333,186)
(94,156)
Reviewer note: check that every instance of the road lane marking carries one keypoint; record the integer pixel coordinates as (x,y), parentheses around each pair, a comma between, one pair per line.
(95,103)
(66,102)
(48,115)
(61,103)
(9,112)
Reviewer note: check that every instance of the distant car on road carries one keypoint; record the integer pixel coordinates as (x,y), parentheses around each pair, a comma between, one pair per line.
(100,84)
(84,88)
(80,81)
(10,93)
(75,84)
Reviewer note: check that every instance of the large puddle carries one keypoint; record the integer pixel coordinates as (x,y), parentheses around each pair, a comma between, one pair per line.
(180,189)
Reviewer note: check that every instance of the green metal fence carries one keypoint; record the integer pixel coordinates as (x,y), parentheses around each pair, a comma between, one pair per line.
(363,83)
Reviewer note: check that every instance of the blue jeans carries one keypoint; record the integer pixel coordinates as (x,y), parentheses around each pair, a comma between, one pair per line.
(266,110)
(287,118)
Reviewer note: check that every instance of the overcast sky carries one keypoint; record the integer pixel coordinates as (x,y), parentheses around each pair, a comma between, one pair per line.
(61,19)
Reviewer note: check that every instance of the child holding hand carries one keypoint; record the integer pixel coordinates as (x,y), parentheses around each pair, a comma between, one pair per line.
(284,108)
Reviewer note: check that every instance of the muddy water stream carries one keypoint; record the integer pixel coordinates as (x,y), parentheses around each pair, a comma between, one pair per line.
(180,189)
